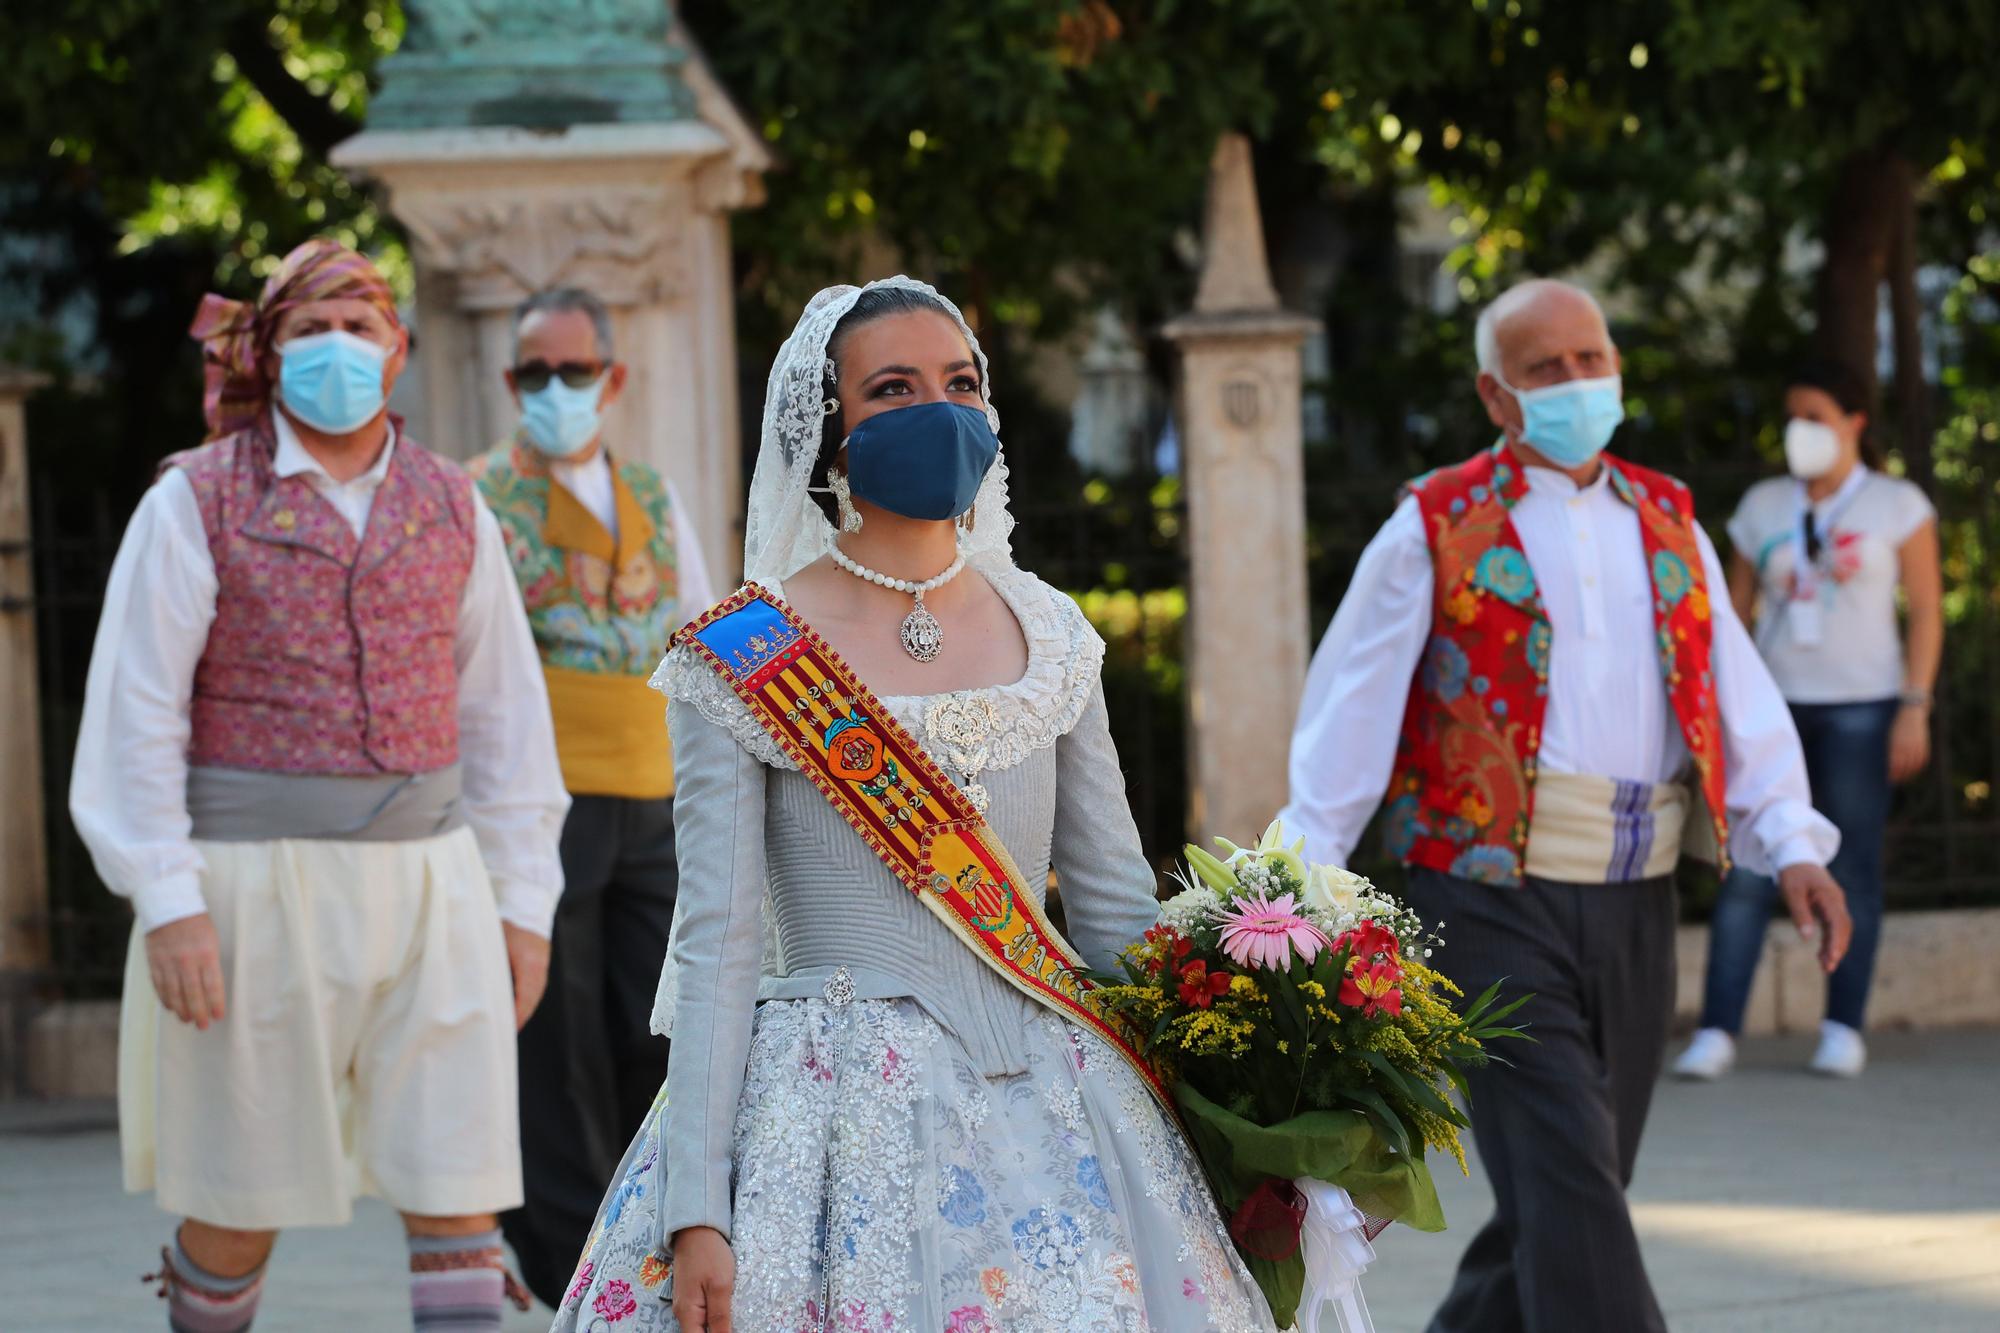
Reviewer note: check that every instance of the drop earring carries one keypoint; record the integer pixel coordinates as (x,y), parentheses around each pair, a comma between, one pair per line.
(968,520)
(843,500)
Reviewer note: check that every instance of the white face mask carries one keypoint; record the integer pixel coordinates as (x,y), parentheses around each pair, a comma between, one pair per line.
(1811,449)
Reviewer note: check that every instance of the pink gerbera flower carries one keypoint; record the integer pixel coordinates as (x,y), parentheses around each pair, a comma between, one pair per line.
(1265,932)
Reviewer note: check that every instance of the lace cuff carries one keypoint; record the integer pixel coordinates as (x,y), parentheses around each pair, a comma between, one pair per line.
(683,675)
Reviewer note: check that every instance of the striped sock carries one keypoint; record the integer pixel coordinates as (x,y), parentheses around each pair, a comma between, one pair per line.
(199,1301)
(459,1283)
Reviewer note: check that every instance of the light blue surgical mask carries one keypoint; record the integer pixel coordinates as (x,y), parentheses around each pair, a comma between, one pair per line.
(1569,423)
(332,381)
(561,421)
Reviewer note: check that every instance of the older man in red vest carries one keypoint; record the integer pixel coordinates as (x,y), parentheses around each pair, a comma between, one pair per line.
(1530,668)
(316,755)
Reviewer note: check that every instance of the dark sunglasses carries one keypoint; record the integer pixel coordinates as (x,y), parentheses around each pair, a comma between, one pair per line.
(535,375)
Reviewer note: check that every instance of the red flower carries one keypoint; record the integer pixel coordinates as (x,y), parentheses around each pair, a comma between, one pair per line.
(1199,986)
(1155,934)
(1368,941)
(1372,988)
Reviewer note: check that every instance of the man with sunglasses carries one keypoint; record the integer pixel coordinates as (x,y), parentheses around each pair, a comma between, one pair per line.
(609,568)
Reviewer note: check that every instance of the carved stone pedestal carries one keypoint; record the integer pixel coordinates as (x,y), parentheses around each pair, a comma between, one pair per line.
(1238,410)
(637,213)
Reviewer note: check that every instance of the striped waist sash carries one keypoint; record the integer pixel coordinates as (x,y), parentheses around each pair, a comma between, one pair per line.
(1592,830)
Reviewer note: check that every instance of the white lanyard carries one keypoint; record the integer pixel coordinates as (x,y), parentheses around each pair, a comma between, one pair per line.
(1804,610)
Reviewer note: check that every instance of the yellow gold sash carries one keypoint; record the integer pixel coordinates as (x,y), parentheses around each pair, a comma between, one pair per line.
(895,796)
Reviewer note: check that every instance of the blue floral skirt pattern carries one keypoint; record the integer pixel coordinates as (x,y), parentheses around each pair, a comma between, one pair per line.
(883,1183)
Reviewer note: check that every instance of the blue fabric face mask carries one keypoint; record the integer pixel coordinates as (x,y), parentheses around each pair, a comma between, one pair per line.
(332,381)
(922,462)
(559,420)
(1570,423)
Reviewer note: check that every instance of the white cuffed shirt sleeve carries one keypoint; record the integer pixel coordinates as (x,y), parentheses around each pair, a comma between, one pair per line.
(1344,745)
(1771,813)
(128,788)
(695,589)
(513,795)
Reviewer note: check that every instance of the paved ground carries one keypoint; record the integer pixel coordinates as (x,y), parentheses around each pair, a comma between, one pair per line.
(1769,1203)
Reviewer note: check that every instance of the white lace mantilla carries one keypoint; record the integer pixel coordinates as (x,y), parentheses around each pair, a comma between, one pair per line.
(969,732)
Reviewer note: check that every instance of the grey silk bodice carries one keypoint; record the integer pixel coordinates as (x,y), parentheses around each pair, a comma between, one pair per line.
(879,930)
(777,891)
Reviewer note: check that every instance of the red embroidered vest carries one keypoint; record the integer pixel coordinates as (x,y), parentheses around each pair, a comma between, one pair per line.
(329,654)
(1464,791)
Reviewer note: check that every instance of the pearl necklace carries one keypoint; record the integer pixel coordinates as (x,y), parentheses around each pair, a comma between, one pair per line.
(923,637)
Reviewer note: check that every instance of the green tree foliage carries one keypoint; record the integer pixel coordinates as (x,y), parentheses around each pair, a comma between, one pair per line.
(150,151)
(1041,155)
(212,119)
(1733,174)
(1696,153)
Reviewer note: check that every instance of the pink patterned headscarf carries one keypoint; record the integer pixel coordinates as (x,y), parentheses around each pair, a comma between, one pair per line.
(236,334)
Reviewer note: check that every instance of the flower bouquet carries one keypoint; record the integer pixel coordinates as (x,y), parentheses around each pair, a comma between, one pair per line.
(1307,1041)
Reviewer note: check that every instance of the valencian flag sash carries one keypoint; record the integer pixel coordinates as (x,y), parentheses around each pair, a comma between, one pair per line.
(889,791)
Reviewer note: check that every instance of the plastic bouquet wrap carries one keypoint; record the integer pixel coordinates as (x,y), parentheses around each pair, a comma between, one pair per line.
(1313,1053)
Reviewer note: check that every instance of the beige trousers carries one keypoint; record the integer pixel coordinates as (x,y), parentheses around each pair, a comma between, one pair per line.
(368,1048)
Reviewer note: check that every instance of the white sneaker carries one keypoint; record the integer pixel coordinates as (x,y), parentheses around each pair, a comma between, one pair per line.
(1841,1053)
(1708,1057)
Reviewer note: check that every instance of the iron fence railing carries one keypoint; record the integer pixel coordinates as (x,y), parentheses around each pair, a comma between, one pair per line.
(74,547)
(1119,546)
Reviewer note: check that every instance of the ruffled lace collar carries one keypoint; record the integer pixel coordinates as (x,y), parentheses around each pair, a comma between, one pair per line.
(969,732)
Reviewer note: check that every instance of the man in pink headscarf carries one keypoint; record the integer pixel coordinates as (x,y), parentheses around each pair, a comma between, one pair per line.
(316,755)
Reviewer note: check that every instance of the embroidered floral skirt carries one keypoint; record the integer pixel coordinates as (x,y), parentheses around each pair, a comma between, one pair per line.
(883,1183)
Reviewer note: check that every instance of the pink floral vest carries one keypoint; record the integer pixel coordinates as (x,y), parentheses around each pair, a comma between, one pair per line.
(329,655)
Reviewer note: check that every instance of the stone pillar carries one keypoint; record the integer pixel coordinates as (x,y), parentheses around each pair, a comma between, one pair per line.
(635,209)
(1244,472)
(24,887)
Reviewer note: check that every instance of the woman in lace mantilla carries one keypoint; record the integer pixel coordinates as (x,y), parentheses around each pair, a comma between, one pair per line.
(863,1127)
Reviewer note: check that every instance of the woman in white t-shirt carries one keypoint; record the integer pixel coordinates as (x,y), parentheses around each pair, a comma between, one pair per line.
(1821,555)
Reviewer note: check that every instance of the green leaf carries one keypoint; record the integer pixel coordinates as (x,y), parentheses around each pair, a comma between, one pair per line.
(1382,1116)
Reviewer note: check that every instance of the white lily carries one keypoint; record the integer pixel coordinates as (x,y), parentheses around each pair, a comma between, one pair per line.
(1270,850)
(1212,872)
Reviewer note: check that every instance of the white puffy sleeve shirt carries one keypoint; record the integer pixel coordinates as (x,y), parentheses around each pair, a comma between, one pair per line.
(1608,711)
(128,789)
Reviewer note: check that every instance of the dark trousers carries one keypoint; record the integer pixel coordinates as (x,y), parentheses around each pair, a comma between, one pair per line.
(589,1066)
(1847,758)
(1558,1127)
